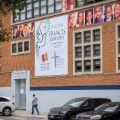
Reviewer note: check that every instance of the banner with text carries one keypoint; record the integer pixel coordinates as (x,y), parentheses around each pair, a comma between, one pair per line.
(51,47)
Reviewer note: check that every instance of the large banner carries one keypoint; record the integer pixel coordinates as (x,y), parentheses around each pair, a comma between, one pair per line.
(67,5)
(23,30)
(51,47)
(94,15)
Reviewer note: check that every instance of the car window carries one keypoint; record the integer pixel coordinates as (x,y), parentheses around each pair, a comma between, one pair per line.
(89,103)
(100,101)
(74,103)
(3,99)
(107,107)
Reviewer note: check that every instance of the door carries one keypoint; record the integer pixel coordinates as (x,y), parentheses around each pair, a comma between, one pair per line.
(23,94)
(20,93)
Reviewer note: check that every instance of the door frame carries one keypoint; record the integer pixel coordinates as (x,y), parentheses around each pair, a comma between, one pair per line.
(22,74)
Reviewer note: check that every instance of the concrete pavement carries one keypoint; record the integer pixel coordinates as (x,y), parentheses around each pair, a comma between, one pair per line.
(23,113)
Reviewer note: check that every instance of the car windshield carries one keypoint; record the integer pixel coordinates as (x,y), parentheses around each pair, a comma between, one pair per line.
(107,107)
(74,103)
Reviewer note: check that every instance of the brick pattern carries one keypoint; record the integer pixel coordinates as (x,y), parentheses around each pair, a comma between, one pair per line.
(27,61)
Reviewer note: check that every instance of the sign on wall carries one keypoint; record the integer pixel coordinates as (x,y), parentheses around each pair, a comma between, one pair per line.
(67,5)
(51,47)
(19,74)
(94,15)
(23,30)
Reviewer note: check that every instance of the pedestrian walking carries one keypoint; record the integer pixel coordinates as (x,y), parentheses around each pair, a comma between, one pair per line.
(35,104)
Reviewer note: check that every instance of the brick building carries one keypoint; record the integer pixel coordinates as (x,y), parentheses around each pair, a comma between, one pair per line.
(61,52)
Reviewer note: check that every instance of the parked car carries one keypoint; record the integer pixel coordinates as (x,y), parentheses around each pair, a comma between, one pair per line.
(6,106)
(106,111)
(75,106)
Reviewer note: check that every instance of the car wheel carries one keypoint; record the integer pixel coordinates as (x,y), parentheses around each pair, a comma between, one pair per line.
(72,117)
(6,111)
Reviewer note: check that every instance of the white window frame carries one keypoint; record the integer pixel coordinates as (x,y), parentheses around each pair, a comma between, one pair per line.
(117,55)
(82,44)
(23,52)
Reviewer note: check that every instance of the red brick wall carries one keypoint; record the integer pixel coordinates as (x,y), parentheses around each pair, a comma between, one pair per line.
(27,61)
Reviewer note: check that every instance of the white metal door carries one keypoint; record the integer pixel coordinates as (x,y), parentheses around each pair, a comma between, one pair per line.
(20,93)
(23,93)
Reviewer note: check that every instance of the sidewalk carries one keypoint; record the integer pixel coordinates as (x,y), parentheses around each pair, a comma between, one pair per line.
(23,113)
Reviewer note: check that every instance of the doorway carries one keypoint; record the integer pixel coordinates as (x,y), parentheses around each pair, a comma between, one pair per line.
(20,93)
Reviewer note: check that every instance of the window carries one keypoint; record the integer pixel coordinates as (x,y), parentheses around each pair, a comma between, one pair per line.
(26,46)
(96,50)
(78,52)
(87,51)
(89,2)
(118,63)
(96,35)
(96,65)
(78,66)
(87,36)
(3,99)
(118,47)
(20,47)
(78,37)
(87,65)
(119,31)
(14,48)
(35,8)
(80,3)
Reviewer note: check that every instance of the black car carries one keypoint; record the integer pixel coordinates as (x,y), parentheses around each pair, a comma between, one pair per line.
(75,106)
(106,111)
